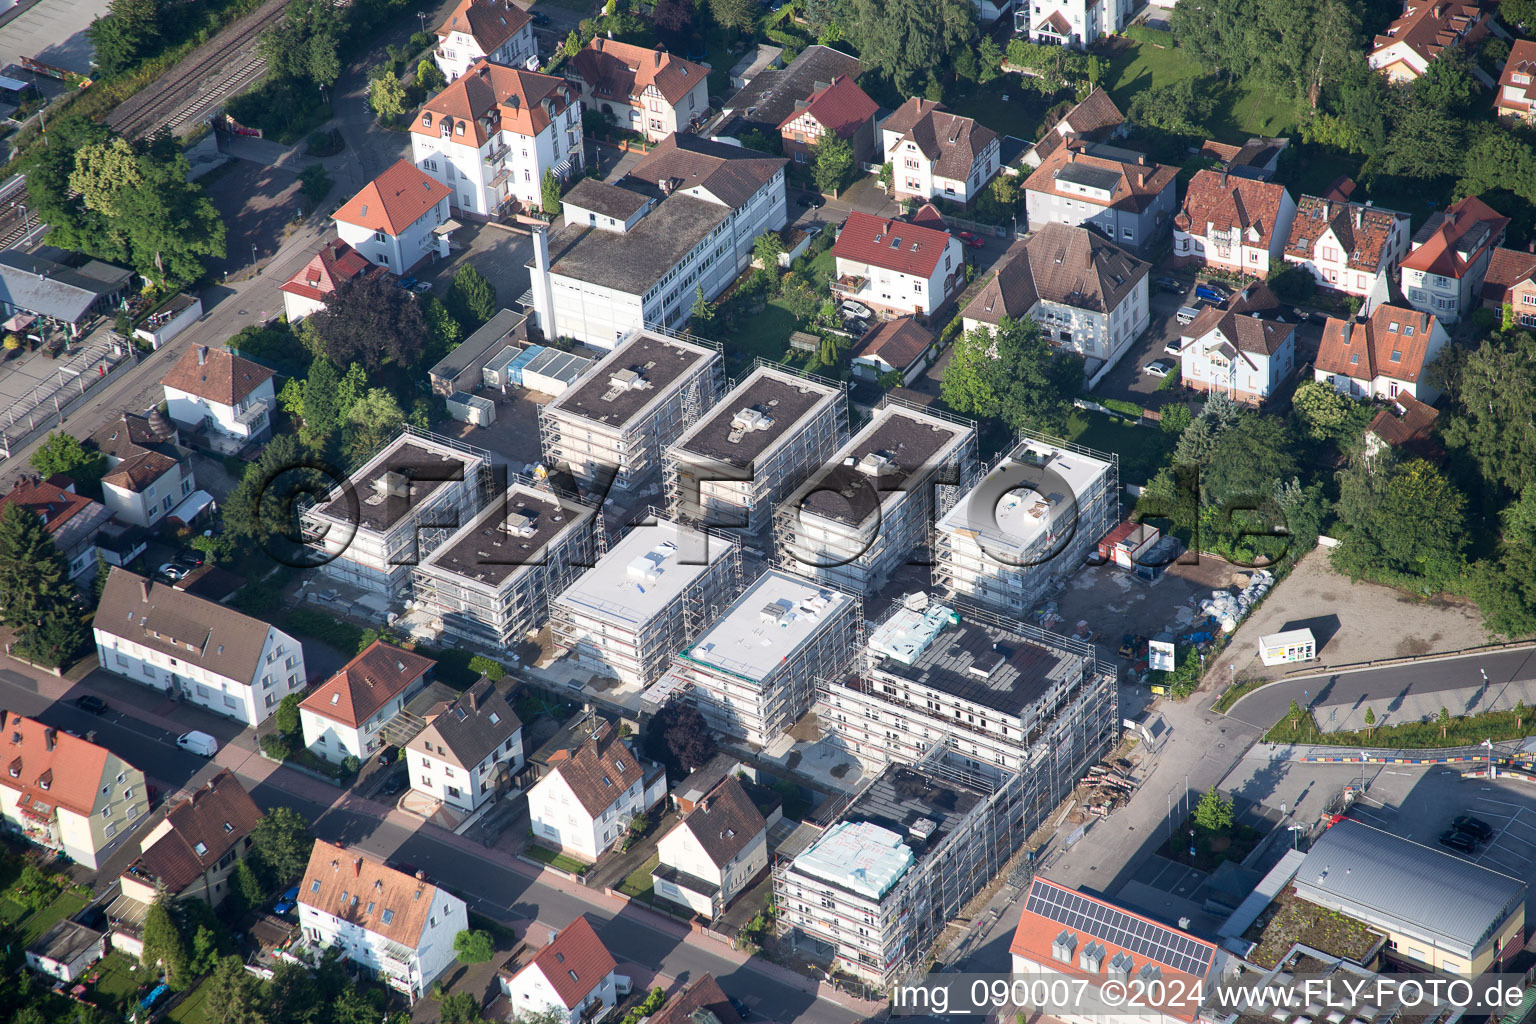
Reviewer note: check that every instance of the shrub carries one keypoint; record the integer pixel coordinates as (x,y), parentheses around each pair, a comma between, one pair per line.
(276,746)
(350,764)
(1123,407)
(483,666)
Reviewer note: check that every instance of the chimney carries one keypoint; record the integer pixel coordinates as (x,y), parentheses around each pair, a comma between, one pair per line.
(1327,209)
(50,735)
(1359,217)
(202,355)
(421,876)
(357,867)
(144,589)
(597,43)
(1223,178)
(1071,156)
(543,291)
(1141,179)
(474,698)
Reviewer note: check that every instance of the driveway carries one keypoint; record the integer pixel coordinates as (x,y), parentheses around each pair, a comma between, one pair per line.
(1126,381)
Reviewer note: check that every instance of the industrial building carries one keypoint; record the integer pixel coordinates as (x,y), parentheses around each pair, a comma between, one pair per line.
(861,518)
(1009,697)
(625,410)
(753,673)
(1029,521)
(395,509)
(768,434)
(490,584)
(646,599)
(880,882)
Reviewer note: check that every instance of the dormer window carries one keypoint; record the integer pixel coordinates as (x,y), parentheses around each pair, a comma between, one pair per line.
(426,120)
(458,129)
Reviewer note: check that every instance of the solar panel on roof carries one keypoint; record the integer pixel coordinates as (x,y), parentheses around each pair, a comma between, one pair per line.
(1141,937)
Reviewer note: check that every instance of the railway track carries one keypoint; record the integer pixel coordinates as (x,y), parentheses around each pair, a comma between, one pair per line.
(211,74)
(14,224)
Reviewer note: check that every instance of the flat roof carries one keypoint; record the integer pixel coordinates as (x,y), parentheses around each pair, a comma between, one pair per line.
(757,414)
(766,625)
(634,260)
(644,572)
(478,347)
(400,479)
(1022,514)
(509,535)
(909,440)
(651,363)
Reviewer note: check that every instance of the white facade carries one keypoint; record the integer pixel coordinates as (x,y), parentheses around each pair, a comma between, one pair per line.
(336,741)
(1073,23)
(530,992)
(434,775)
(148,505)
(1251,250)
(1213,361)
(558,817)
(458,47)
(1330,264)
(399,252)
(243,421)
(915,174)
(895,288)
(408,970)
(280,671)
(681,850)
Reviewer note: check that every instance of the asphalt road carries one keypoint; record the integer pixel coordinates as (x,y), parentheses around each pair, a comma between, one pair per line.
(1267,705)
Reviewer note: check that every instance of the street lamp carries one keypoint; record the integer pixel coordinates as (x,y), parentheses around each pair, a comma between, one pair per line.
(253,254)
(421,16)
(26,221)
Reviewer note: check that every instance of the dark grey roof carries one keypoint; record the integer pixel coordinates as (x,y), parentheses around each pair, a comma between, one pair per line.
(725,821)
(400,479)
(65,941)
(770,96)
(900,796)
(783,397)
(53,290)
(1018,670)
(473,726)
(1090,177)
(609,200)
(204,633)
(1410,888)
(659,361)
(633,261)
(480,346)
(486,552)
(844,493)
(732,174)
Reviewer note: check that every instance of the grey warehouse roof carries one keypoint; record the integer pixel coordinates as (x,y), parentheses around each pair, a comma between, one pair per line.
(53,290)
(635,260)
(1393,882)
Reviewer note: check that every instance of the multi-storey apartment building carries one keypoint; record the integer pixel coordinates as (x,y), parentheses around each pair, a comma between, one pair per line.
(1075,23)
(648,91)
(342,718)
(1381,357)
(763,438)
(619,417)
(491,135)
(194,649)
(1347,247)
(858,520)
(1027,522)
(937,155)
(1123,193)
(1233,223)
(196,847)
(490,583)
(1443,273)
(497,31)
(396,509)
(470,750)
(896,267)
(753,673)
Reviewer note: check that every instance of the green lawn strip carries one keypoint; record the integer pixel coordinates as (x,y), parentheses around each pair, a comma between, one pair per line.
(1019,115)
(1142,450)
(638,881)
(1211,848)
(556,859)
(194,1008)
(1464,731)
(764,334)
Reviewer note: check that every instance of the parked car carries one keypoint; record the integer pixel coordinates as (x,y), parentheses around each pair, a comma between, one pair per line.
(1474,827)
(1158,368)
(191,557)
(808,201)
(1187,314)
(539,18)
(1211,292)
(173,571)
(91,705)
(199,743)
(389,755)
(1174,347)
(394,784)
(421,287)
(856,310)
(1171,284)
(405,282)
(974,241)
(1454,840)
(287,901)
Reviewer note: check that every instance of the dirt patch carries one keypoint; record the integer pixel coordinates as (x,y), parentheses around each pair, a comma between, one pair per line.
(1412,646)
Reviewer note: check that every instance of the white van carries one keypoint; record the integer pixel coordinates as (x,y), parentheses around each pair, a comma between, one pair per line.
(1187,314)
(199,743)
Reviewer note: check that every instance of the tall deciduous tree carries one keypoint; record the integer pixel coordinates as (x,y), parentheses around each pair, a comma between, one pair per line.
(281,842)
(1400,523)
(386,95)
(372,420)
(63,453)
(834,162)
(471,297)
(320,405)
(129,31)
(906,39)
(736,15)
(370,321)
(1012,374)
(1213,813)
(1494,390)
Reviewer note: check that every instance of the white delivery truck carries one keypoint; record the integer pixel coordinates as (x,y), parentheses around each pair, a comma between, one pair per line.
(199,743)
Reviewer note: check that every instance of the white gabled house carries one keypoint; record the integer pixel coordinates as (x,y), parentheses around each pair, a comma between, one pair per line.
(573,977)
(398,219)
(937,155)
(895,267)
(148,472)
(494,30)
(1239,353)
(1382,357)
(470,749)
(714,853)
(220,396)
(344,715)
(585,803)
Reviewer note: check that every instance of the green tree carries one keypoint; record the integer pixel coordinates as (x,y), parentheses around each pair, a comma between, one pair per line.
(303,46)
(1012,374)
(701,316)
(1294,714)
(234,994)
(766,249)
(833,162)
(1519,14)
(989,61)
(373,420)
(352,387)
(370,321)
(1320,409)
(386,95)
(549,194)
(1447,84)
(1443,720)
(1498,159)
(1494,395)
(280,843)
(735,15)
(1424,143)
(247,884)
(904,40)
(260,508)
(474,946)
(103,172)
(165,945)
(446,330)
(36,596)
(1182,108)
(1370,720)
(572,45)
(286,717)
(1400,523)
(428,76)
(62,453)
(321,406)
(314,184)
(471,297)
(127,33)
(1213,813)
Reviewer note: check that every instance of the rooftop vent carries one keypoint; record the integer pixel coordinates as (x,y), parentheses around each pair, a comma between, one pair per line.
(876,464)
(776,613)
(746,421)
(922,829)
(521,524)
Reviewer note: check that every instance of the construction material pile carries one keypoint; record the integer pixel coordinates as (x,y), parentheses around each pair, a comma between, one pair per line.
(1227,610)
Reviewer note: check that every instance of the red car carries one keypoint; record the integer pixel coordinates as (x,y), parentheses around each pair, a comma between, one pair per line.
(974,241)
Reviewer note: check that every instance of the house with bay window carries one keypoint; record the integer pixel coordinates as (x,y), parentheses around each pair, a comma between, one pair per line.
(1233,223)
(895,267)
(652,92)
(1354,248)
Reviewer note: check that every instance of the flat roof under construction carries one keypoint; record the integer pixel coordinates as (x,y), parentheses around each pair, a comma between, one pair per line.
(766,625)
(757,414)
(1013,520)
(642,368)
(510,534)
(399,479)
(648,569)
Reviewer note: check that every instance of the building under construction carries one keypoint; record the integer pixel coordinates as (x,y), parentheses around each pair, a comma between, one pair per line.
(1028,522)
(767,435)
(865,515)
(624,411)
(490,584)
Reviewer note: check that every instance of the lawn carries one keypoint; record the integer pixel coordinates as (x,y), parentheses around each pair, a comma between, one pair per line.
(638,882)
(194,1008)
(556,859)
(115,979)
(1242,109)
(29,925)
(764,334)
(1003,106)
(1296,920)
(1142,450)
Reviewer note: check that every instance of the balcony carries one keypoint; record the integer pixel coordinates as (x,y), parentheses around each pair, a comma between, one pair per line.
(253,413)
(497,155)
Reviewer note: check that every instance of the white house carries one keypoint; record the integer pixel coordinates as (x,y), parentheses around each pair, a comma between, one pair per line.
(573,976)
(894,346)
(1354,248)
(1239,353)
(398,219)
(1124,194)
(716,851)
(936,154)
(470,749)
(148,472)
(494,30)
(343,716)
(1075,23)
(895,267)
(652,92)
(585,803)
(71,520)
(398,925)
(1381,357)
(1443,273)
(199,651)
(335,265)
(1233,223)
(66,950)
(1426,28)
(216,394)
(491,135)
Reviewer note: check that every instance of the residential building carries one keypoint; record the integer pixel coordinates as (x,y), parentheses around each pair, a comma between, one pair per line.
(840,108)
(395,509)
(699,997)
(1232,223)
(1425,29)
(1242,354)
(1095,119)
(644,599)
(470,750)
(1074,23)
(66,951)
(1088,295)
(896,268)
(148,472)
(397,220)
(619,417)
(1438,911)
(712,855)
(69,297)
(901,346)
(196,847)
(334,267)
(493,133)
(399,926)
(1066,933)
(592,792)
(651,92)
(1028,522)
(65,793)
(1124,194)
(758,443)
(774,93)
(1510,284)
(935,154)
(489,584)
(1354,248)
(600,277)
(856,521)
(344,714)
(573,977)
(1258,158)
(1517,96)
(497,31)
(195,650)
(1406,426)
(1381,357)
(219,397)
(752,673)
(72,521)
(1443,273)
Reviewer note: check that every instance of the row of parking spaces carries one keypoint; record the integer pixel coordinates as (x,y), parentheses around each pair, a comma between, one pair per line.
(1512,850)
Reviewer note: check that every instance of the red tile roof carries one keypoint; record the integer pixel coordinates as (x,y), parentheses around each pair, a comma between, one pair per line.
(489,98)
(1363,232)
(1522,61)
(333,266)
(1507,268)
(899,343)
(1141,180)
(1363,351)
(1220,201)
(705,994)
(1428,26)
(53,499)
(575,962)
(1094,118)
(1453,239)
(491,23)
(49,767)
(1408,424)
(366,683)
(623,71)
(358,889)
(891,244)
(394,200)
(216,375)
(841,108)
